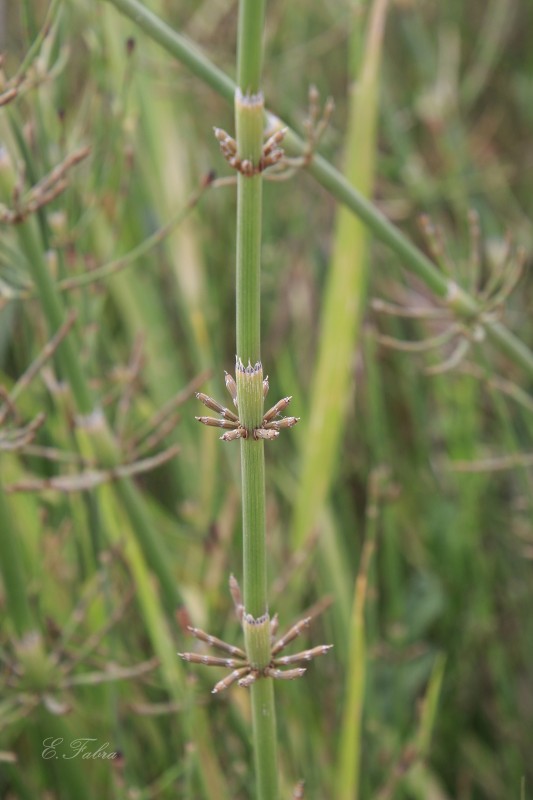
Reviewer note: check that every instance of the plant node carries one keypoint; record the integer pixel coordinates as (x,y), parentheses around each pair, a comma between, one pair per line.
(271,153)
(503,272)
(246,669)
(272,422)
(273,157)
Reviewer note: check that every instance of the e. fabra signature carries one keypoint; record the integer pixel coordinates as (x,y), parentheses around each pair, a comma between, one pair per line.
(77,748)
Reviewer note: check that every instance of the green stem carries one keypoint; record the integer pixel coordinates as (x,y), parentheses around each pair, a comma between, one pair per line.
(249,116)
(179,46)
(55,313)
(254,527)
(249,45)
(249,127)
(12,569)
(39,38)
(264,726)
(412,258)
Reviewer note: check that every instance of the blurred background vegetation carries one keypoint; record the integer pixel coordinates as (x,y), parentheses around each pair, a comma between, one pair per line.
(88,637)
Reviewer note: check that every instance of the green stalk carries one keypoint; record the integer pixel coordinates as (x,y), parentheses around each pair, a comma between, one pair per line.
(12,570)
(249,127)
(413,259)
(253,518)
(265,739)
(55,313)
(345,294)
(249,115)
(250,45)
(179,46)
(348,772)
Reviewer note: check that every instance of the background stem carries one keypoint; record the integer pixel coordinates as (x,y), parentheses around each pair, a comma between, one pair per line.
(12,570)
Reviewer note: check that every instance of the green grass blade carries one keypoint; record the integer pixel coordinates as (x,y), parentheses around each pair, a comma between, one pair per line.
(344,301)
(12,569)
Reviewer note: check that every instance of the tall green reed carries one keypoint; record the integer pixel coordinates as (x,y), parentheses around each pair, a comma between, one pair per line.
(249,129)
(258,665)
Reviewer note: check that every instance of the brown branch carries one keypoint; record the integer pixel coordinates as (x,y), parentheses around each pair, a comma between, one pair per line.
(92,478)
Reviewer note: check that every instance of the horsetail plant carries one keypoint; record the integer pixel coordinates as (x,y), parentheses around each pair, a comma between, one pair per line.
(259,662)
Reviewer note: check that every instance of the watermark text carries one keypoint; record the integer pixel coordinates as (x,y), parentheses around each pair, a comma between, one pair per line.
(57,747)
